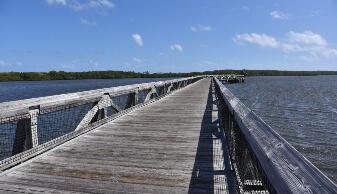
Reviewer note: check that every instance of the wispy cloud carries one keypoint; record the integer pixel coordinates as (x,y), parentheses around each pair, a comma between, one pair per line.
(177,47)
(56,2)
(201,28)
(260,39)
(101,3)
(78,5)
(307,37)
(87,22)
(138,39)
(279,15)
(306,42)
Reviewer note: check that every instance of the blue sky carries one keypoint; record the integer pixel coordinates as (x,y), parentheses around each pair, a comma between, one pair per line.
(167,36)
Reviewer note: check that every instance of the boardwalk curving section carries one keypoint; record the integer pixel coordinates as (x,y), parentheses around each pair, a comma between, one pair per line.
(173,145)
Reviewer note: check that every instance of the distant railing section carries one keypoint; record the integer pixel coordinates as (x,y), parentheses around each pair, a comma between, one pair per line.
(263,162)
(32,126)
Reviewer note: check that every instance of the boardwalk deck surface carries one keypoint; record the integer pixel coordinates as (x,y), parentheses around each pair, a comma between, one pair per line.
(170,146)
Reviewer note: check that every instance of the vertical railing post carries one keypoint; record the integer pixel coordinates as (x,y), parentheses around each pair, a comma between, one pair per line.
(34,112)
(136,96)
(104,111)
(132,99)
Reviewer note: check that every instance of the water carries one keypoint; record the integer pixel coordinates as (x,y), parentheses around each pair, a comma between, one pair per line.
(303,110)
(10,91)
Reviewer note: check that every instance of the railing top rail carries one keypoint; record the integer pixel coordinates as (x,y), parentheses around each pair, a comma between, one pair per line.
(287,170)
(22,106)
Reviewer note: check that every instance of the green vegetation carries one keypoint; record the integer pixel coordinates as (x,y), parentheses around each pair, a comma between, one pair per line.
(61,75)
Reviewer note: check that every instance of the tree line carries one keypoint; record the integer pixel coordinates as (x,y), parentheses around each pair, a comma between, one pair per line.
(62,75)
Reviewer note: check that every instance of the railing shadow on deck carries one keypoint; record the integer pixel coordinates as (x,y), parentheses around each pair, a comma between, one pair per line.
(211,171)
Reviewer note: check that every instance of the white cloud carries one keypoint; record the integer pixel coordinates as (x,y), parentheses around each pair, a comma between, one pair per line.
(101,3)
(56,2)
(279,15)
(137,60)
(307,43)
(138,39)
(177,47)
(78,5)
(307,37)
(260,39)
(201,28)
(286,47)
(87,22)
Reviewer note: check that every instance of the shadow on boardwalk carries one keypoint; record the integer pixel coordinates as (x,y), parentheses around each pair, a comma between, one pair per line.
(211,171)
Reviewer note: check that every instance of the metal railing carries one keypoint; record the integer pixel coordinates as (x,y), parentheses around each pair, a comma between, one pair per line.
(264,162)
(30,127)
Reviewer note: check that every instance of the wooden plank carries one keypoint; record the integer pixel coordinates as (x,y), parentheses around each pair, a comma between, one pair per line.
(155,149)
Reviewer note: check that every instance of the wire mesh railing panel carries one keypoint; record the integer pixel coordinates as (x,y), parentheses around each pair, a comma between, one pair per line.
(142,95)
(110,111)
(8,136)
(245,165)
(121,101)
(160,90)
(248,174)
(54,124)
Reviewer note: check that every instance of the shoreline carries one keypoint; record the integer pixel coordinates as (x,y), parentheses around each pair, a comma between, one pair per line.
(62,75)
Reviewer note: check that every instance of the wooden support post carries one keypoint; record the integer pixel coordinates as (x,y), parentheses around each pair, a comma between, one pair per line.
(98,111)
(132,99)
(169,88)
(179,84)
(152,94)
(136,97)
(104,113)
(26,136)
(96,114)
(34,112)
(102,105)
(165,89)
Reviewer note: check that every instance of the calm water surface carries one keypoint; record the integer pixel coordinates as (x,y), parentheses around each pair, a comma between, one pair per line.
(10,91)
(303,110)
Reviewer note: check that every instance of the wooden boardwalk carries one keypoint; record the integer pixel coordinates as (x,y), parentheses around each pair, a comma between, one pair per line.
(170,146)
